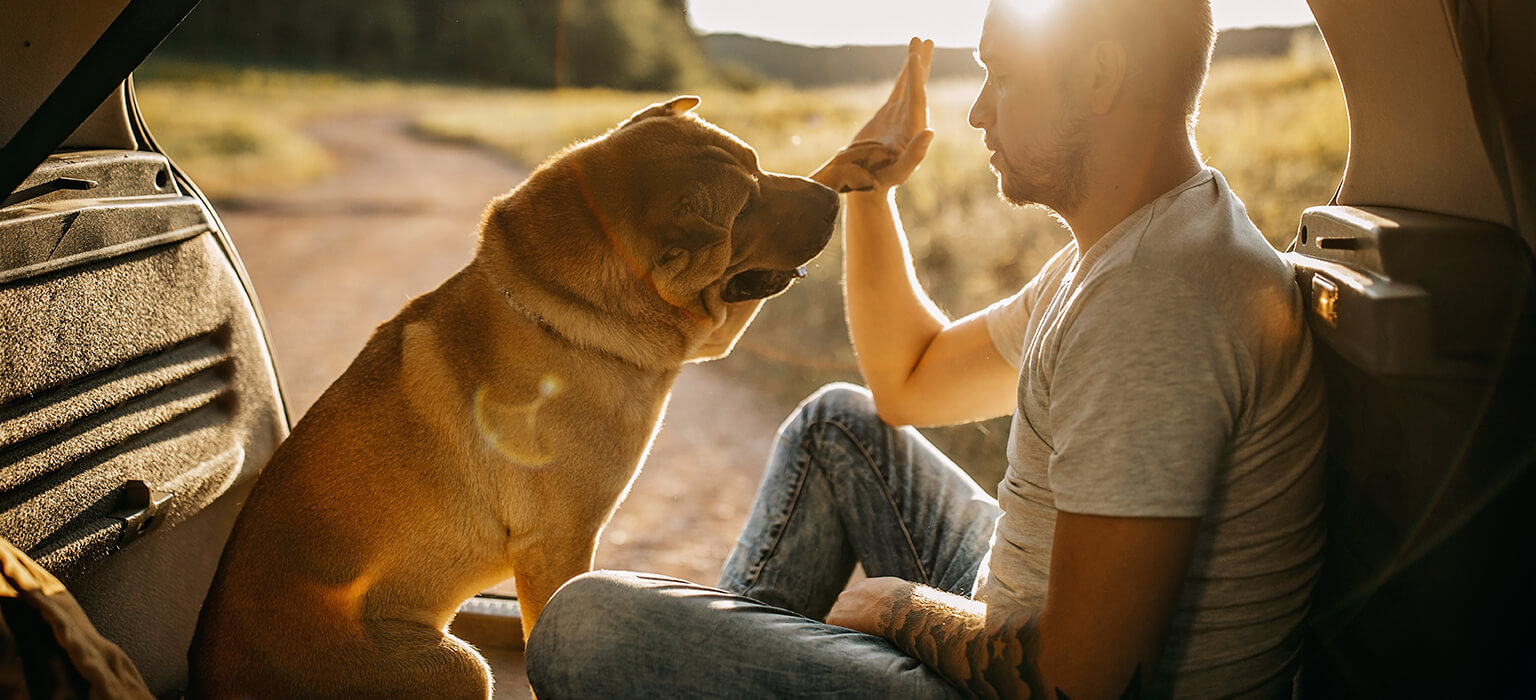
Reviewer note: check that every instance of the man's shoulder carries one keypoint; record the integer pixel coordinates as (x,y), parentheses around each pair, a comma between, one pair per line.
(1021,304)
(1196,259)
(1201,237)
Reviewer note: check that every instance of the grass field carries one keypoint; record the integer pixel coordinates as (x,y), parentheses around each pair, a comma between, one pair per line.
(1276,127)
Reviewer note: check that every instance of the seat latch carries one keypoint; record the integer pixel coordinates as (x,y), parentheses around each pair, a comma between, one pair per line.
(140,507)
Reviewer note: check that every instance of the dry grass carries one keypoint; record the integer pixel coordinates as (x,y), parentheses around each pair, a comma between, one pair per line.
(786,126)
(236,130)
(1275,127)
(1279,131)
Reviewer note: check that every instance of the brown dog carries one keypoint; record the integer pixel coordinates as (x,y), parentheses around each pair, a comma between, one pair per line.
(492,427)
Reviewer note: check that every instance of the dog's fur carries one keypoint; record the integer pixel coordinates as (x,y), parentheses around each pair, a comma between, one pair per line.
(493,426)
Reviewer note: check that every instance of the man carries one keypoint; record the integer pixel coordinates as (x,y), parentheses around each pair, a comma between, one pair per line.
(1158,527)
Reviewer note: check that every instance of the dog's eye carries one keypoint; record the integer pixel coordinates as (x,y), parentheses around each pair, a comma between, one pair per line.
(670,255)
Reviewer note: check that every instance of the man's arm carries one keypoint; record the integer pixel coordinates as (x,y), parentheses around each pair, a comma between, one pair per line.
(1113,586)
(922,368)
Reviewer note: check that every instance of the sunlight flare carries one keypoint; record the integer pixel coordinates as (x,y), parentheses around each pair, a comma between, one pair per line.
(1028,9)
(513,429)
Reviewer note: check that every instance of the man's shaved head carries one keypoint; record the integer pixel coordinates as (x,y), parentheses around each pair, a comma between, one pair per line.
(1167,42)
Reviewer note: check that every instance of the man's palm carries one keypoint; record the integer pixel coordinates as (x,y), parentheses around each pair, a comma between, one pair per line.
(888,148)
(905,112)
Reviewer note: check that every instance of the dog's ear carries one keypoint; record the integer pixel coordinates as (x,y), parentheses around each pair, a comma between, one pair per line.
(696,232)
(679,105)
(690,257)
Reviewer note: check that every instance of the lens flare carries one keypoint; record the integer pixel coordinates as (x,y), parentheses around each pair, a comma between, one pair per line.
(513,429)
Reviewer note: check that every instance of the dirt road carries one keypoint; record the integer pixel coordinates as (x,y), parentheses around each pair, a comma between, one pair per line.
(333,259)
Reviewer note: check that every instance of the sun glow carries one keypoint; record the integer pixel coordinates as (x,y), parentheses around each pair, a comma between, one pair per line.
(1029,9)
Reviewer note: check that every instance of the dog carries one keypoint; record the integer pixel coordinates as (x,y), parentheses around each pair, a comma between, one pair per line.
(492,427)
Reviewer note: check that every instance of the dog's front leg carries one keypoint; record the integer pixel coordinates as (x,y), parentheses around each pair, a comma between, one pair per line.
(543,571)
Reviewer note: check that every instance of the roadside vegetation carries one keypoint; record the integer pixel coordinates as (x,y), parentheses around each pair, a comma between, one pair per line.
(1275,126)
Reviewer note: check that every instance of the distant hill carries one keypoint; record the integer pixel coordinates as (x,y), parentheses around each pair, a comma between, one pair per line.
(1261,41)
(818,66)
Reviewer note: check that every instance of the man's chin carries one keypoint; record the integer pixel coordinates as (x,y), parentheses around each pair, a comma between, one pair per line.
(1010,190)
(1019,192)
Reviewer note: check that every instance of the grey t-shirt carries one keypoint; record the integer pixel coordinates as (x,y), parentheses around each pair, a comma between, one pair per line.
(1167,372)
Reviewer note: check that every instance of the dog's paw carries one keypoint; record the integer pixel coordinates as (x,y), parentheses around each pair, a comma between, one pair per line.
(853,168)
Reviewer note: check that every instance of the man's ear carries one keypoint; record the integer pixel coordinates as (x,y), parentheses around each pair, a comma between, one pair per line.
(1106,71)
(679,105)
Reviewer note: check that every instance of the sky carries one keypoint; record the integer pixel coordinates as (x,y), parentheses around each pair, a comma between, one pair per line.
(947,22)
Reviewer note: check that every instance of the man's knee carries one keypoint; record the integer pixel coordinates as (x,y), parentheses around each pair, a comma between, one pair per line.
(842,403)
(580,628)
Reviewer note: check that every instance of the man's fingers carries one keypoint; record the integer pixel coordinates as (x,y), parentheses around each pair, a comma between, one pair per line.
(919,58)
(911,67)
(907,71)
(923,51)
(916,97)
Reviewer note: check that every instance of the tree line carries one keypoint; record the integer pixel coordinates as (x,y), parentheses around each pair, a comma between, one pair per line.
(626,44)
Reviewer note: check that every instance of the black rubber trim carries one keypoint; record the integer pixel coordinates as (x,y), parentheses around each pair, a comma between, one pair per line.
(136,32)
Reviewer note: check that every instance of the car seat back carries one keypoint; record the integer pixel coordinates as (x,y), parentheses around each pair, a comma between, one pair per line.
(1424,328)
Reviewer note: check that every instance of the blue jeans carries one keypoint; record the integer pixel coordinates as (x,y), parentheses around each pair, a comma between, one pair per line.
(841,488)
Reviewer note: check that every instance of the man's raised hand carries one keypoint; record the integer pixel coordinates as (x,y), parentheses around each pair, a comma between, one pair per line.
(886,151)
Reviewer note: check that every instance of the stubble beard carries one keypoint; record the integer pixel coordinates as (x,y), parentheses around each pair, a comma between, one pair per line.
(1052,177)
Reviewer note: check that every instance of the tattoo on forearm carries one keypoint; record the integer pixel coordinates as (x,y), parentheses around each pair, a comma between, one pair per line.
(985,655)
(988,654)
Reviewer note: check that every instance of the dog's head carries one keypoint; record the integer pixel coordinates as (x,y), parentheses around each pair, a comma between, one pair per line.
(666,225)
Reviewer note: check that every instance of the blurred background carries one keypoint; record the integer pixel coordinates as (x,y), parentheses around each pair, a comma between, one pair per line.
(350,146)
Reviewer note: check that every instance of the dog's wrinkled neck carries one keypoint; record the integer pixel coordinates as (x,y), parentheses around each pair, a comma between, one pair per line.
(549,328)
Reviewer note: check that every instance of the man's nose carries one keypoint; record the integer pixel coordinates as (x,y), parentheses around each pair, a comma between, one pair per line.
(980,116)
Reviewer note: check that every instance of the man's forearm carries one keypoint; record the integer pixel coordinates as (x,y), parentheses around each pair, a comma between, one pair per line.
(988,653)
(890,318)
